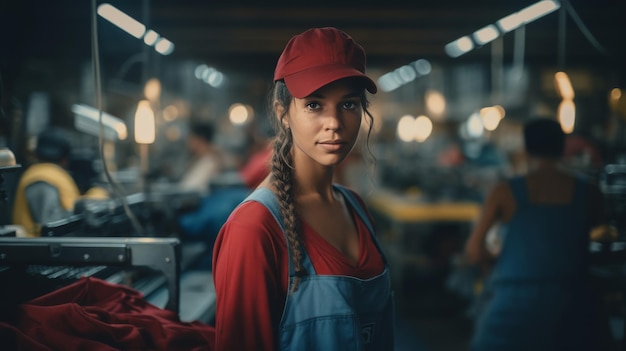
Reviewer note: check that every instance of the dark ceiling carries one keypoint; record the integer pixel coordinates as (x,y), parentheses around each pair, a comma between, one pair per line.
(249,35)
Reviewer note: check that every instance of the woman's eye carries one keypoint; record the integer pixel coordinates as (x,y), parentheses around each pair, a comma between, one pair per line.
(313,105)
(350,105)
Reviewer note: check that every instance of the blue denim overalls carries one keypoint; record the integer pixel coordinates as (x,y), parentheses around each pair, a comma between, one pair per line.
(540,298)
(330,312)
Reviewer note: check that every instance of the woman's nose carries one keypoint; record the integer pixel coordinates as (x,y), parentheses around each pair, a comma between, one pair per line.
(333,120)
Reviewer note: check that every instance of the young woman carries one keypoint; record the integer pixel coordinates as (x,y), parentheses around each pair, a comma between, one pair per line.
(297,265)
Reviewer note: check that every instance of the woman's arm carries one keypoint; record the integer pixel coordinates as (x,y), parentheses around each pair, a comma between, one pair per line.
(249,271)
(476,248)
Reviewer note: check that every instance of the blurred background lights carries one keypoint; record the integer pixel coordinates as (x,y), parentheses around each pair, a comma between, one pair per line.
(435,103)
(145,128)
(404,75)
(87,119)
(423,128)
(527,15)
(459,46)
(239,114)
(490,32)
(152,89)
(510,22)
(538,10)
(215,79)
(199,71)
(491,116)
(164,47)
(474,125)
(135,28)
(406,128)
(209,75)
(616,94)
(422,67)
(151,37)
(414,129)
(122,20)
(563,85)
(407,73)
(170,113)
(485,34)
(567,115)
(617,102)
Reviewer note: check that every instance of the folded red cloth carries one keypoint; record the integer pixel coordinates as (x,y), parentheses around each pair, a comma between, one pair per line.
(93,314)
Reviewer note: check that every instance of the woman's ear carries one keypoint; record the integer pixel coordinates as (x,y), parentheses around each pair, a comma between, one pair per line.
(280,111)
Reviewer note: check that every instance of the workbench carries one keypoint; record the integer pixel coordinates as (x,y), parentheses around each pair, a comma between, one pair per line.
(405,221)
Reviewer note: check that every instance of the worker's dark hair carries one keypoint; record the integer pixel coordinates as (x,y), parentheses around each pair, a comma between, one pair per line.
(53,145)
(543,137)
(203,129)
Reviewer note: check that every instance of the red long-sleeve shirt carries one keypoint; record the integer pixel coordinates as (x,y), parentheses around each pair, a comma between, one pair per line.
(250,271)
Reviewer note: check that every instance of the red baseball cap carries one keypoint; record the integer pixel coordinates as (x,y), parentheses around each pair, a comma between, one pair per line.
(320,56)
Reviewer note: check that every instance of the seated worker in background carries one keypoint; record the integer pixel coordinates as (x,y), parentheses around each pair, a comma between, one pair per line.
(207,160)
(204,222)
(46,191)
(540,298)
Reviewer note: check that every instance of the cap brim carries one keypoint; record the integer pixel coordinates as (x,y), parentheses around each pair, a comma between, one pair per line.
(304,83)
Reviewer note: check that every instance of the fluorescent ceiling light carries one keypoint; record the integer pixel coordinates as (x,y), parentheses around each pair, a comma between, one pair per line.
(510,22)
(387,83)
(122,20)
(486,34)
(538,10)
(151,37)
(459,46)
(135,28)
(87,120)
(527,15)
(404,75)
(422,67)
(164,47)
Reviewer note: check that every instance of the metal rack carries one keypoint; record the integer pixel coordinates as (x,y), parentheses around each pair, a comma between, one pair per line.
(161,254)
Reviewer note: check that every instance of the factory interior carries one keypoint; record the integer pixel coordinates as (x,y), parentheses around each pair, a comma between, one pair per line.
(457,81)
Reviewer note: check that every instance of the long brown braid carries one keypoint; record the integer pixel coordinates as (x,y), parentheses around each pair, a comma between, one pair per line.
(282,172)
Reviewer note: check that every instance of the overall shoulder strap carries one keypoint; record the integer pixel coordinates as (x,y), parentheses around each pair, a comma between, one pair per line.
(356,205)
(267,198)
(347,194)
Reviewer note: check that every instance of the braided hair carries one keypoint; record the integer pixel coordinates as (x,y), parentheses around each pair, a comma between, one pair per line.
(282,174)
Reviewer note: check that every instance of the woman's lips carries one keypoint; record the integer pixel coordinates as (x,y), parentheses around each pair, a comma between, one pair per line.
(332,145)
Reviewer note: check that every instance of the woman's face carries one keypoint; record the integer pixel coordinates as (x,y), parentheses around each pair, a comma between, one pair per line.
(325,125)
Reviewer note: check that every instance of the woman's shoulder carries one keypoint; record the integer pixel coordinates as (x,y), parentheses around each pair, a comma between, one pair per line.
(250,230)
(253,214)
(501,193)
(249,246)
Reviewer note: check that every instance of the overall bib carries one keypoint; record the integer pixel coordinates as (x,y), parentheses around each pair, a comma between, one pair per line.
(330,312)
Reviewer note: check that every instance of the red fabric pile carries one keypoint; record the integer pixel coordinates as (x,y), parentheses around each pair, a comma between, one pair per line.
(93,314)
